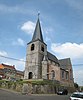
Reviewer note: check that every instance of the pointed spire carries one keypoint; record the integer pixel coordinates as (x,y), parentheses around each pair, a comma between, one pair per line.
(37,33)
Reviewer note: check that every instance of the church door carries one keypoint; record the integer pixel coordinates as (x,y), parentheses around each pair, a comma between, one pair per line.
(30,75)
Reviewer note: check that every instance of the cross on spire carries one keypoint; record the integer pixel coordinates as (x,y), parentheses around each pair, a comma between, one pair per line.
(38,14)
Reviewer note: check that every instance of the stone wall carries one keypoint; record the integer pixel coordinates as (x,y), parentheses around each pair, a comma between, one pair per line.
(30,88)
(38,89)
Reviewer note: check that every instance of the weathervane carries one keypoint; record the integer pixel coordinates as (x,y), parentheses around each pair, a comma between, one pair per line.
(38,14)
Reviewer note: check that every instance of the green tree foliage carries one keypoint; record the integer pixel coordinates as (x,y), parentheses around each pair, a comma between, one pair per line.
(0,78)
(82,88)
(76,85)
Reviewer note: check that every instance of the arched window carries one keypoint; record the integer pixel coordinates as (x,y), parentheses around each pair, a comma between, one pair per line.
(42,48)
(30,75)
(32,47)
(53,74)
(71,76)
(67,75)
(63,73)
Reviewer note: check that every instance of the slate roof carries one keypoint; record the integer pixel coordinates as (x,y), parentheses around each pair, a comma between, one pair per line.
(52,57)
(37,33)
(65,63)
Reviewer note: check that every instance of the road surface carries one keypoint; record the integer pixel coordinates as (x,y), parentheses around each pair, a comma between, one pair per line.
(9,95)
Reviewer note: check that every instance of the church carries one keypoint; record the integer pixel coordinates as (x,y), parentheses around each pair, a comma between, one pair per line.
(41,64)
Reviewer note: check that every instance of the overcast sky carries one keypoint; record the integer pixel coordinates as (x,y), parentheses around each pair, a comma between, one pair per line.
(62,28)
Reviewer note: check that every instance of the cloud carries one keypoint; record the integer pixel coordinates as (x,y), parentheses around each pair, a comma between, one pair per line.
(49,30)
(3,53)
(19,42)
(10,9)
(76,4)
(28,27)
(78,74)
(47,39)
(68,49)
(15,9)
(48,33)
(19,65)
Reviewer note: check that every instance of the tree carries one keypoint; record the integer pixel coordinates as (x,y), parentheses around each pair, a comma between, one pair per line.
(0,77)
(76,85)
(82,88)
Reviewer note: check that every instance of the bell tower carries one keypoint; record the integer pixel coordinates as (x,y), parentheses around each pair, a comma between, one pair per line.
(36,50)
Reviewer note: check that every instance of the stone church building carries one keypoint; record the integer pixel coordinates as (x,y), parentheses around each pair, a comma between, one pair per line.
(41,64)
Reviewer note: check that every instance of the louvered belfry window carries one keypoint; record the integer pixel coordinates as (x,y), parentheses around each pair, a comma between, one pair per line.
(32,47)
(42,48)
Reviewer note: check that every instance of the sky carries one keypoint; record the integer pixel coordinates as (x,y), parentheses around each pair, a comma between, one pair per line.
(62,28)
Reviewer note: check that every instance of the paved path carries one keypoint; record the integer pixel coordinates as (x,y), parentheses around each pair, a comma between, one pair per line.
(10,95)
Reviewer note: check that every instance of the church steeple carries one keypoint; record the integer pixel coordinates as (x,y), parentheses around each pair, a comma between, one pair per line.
(37,33)
(36,55)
